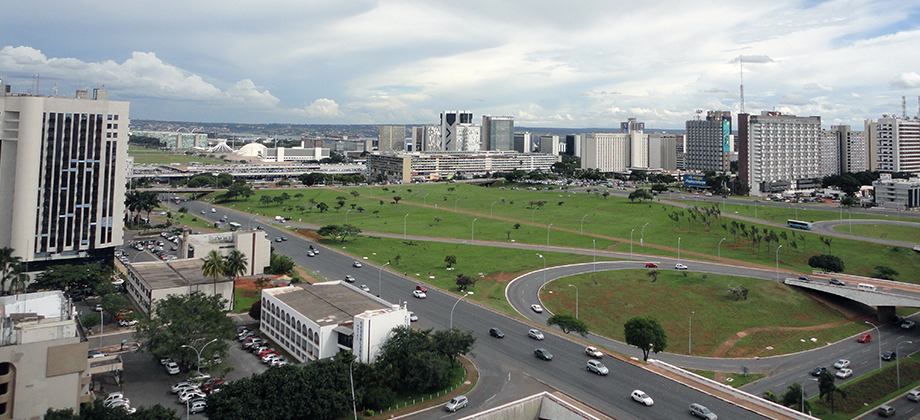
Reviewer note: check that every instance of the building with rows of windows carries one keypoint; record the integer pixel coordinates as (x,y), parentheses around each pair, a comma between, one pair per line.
(316,321)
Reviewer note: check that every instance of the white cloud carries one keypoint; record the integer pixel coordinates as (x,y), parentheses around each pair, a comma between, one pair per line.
(321,108)
(246,91)
(906,80)
(817,86)
(752,59)
(794,99)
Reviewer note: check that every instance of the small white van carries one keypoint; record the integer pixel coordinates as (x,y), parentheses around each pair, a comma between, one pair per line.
(865,287)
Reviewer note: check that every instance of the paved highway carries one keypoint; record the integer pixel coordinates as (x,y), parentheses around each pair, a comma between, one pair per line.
(506,361)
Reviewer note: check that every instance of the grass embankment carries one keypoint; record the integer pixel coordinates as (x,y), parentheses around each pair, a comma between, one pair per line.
(735,380)
(882,231)
(716,314)
(143,155)
(868,391)
(608,222)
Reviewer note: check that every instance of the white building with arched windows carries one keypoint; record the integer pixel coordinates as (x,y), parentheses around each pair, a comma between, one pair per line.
(316,321)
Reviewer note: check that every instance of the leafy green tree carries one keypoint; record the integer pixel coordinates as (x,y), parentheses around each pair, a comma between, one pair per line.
(848,201)
(640,194)
(280,264)
(450,260)
(646,333)
(410,359)
(453,343)
(341,232)
(113,303)
(769,395)
(659,187)
(239,188)
(69,276)
(193,320)
(828,388)
(653,273)
(883,272)
(265,200)
(396,199)
(568,323)
(829,263)
(464,281)
(323,207)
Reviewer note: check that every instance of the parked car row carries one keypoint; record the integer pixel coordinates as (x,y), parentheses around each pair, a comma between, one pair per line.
(118,400)
(257,346)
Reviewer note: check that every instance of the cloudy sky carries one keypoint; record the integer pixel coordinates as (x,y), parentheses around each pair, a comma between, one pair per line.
(547,63)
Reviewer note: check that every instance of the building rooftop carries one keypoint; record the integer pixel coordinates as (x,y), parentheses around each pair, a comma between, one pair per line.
(329,303)
(163,275)
(39,304)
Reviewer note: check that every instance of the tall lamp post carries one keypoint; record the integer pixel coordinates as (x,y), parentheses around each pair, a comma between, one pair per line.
(354,406)
(631,243)
(346,215)
(473,229)
(583,224)
(594,251)
(803,393)
(378,277)
(544,271)
(547,235)
(425,199)
(253,216)
(690,335)
(198,352)
(404,225)
(879,336)
(678,249)
(532,213)
(576,299)
(777,262)
(897,366)
(642,237)
(455,204)
(490,209)
(720,249)
(455,305)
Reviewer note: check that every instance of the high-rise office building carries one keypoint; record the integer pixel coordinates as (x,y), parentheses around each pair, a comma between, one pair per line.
(549,144)
(778,152)
(426,138)
(468,137)
(449,122)
(62,176)
(606,152)
(523,142)
(392,138)
(709,142)
(898,144)
(852,149)
(573,144)
(662,150)
(829,156)
(497,133)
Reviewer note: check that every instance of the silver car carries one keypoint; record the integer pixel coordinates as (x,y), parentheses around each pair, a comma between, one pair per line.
(456,403)
(597,367)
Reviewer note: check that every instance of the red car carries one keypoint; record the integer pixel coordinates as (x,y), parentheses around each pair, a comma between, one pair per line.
(864,338)
(651,265)
(422,288)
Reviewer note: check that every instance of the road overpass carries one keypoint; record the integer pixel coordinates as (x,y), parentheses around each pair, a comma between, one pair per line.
(885,295)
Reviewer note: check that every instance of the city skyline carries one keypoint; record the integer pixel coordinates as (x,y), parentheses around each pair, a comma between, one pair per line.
(587,65)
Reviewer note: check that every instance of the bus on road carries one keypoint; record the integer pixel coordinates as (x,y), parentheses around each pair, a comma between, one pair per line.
(798,224)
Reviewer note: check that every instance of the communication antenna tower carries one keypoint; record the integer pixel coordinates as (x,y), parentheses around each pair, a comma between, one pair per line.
(698,113)
(54,91)
(904,107)
(741,61)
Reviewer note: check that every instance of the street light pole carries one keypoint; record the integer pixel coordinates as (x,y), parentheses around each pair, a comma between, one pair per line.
(473,233)
(250,220)
(354,406)
(455,204)
(690,335)
(346,215)
(720,249)
(455,305)
(576,299)
(803,394)
(678,249)
(777,262)
(378,277)
(544,271)
(642,237)
(425,199)
(631,243)
(490,209)
(583,224)
(532,213)
(897,366)
(404,225)
(879,336)
(198,352)
(547,235)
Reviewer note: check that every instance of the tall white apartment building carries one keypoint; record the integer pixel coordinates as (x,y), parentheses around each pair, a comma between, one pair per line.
(62,176)
(853,149)
(606,152)
(497,133)
(392,138)
(468,137)
(709,144)
(778,151)
(898,144)
(830,154)
(449,122)
(426,138)
(662,150)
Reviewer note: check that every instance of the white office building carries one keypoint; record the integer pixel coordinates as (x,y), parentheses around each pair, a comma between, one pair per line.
(606,152)
(392,138)
(778,152)
(426,138)
(497,133)
(316,321)
(62,176)
(449,122)
(898,144)
(900,194)
(469,137)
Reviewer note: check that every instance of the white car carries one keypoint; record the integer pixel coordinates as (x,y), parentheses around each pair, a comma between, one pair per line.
(115,396)
(535,334)
(181,386)
(419,294)
(593,352)
(456,403)
(913,395)
(680,267)
(116,402)
(172,368)
(844,373)
(842,363)
(356,264)
(597,367)
(365,288)
(193,393)
(310,254)
(639,396)
(413,317)
(537,308)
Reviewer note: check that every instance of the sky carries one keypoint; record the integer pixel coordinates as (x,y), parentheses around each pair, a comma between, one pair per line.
(546,63)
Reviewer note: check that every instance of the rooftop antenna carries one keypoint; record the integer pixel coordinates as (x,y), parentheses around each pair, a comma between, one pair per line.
(741,61)
(904,107)
(698,113)
(54,91)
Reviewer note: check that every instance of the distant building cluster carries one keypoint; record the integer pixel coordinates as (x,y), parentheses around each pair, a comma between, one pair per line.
(176,141)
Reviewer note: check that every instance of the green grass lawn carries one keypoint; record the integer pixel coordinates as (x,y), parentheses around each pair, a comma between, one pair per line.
(883,231)
(612,220)
(869,390)
(782,342)
(143,155)
(623,294)
(243,299)
(738,380)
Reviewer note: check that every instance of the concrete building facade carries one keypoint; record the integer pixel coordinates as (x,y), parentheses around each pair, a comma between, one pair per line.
(900,194)
(606,152)
(392,138)
(408,167)
(898,144)
(62,176)
(853,149)
(449,122)
(829,163)
(426,138)
(778,151)
(523,142)
(497,133)
(709,142)
(316,321)
(172,140)
(149,282)
(662,150)
(254,244)
(43,362)
(549,144)
(469,137)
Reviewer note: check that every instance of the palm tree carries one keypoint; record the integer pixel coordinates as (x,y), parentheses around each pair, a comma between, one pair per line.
(10,266)
(213,266)
(235,264)
(827,388)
